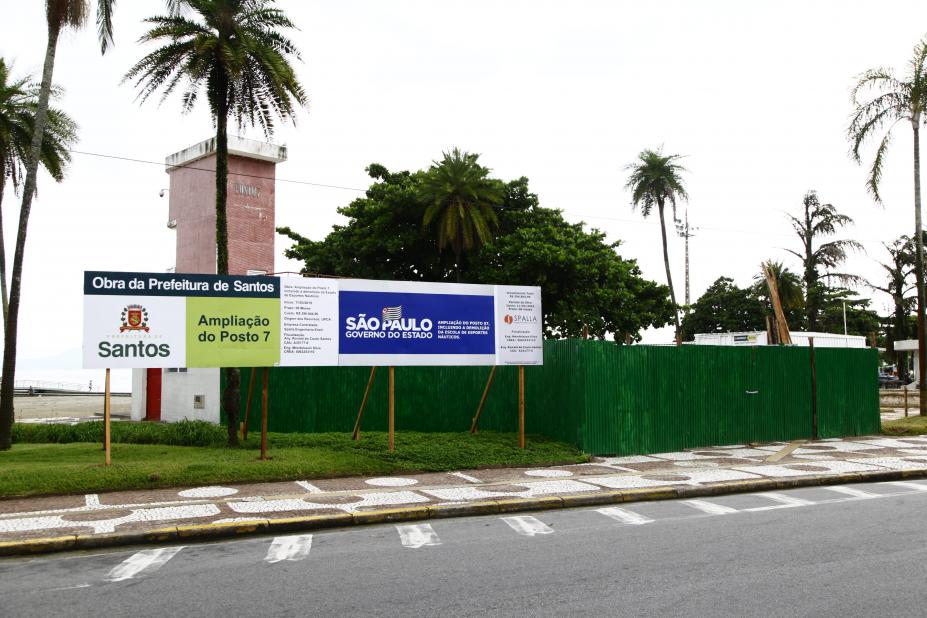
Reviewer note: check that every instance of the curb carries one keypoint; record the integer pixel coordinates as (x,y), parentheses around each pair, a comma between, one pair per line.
(210,532)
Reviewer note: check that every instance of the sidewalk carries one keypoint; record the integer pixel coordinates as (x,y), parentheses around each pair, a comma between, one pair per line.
(150,516)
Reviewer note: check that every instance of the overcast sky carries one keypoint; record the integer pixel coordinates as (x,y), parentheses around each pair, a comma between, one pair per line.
(754,94)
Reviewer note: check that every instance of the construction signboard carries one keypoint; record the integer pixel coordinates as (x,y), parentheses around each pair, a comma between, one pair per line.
(135,320)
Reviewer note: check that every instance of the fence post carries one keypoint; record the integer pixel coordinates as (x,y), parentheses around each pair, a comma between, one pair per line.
(814,392)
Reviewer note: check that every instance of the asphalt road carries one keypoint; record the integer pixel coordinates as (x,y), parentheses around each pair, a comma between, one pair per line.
(857,550)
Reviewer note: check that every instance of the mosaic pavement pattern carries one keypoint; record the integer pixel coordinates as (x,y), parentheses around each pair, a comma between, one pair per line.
(140,510)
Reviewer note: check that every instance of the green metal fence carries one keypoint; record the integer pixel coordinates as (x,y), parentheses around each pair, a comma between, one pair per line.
(605,398)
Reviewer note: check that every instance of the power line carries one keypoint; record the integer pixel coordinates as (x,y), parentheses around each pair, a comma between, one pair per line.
(205,169)
(346,188)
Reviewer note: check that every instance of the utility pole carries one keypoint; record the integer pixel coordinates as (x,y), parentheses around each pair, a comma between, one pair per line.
(684,231)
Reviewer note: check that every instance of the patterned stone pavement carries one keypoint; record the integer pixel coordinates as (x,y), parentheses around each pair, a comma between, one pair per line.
(144,510)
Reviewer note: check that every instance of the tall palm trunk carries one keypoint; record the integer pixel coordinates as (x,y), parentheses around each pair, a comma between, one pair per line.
(669,276)
(919,261)
(32,169)
(231,397)
(4,296)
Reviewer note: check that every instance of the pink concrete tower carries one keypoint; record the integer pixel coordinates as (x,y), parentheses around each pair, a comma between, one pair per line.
(176,394)
(192,206)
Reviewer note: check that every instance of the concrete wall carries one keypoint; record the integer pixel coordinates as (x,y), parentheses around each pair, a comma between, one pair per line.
(178,389)
(139,394)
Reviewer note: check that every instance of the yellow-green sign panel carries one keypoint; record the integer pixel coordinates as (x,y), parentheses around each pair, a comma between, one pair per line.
(223,332)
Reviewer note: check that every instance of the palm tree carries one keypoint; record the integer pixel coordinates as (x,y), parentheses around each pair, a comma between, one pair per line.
(818,259)
(59,15)
(656,180)
(897,276)
(460,199)
(18,102)
(891,100)
(234,52)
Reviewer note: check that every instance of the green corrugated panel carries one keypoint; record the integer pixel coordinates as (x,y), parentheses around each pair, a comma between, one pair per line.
(848,392)
(605,398)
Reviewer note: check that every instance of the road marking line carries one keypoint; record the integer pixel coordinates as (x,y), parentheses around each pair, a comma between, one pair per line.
(709,507)
(146,560)
(851,491)
(77,587)
(624,516)
(292,548)
(312,489)
(466,477)
(418,535)
(92,501)
(909,485)
(786,500)
(526,525)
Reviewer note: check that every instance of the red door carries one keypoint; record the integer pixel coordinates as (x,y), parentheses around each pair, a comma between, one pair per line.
(153,395)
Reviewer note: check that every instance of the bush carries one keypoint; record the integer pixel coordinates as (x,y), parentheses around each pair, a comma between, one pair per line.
(183,433)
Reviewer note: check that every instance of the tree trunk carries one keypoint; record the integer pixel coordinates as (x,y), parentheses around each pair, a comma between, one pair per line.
(32,169)
(230,400)
(919,261)
(669,276)
(4,295)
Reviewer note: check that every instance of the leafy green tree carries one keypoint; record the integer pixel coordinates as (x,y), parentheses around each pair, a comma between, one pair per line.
(234,52)
(860,319)
(656,180)
(584,282)
(18,103)
(881,100)
(59,15)
(460,199)
(724,307)
(818,258)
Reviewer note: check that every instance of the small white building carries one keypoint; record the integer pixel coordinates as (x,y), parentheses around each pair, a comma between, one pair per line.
(910,345)
(759,337)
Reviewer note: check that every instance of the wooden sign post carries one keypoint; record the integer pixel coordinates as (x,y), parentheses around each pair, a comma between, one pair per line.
(106,421)
(360,412)
(479,408)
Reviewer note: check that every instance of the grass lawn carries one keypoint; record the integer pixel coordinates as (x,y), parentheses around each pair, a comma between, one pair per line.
(76,467)
(911,426)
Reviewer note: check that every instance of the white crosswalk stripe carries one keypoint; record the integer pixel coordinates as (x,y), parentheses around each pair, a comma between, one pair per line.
(709,507)
(909,485)
(624,516)
(418,535)
(148,560)
(787,500)
(527,525)
(852,491)
(291,548)
(784,502)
